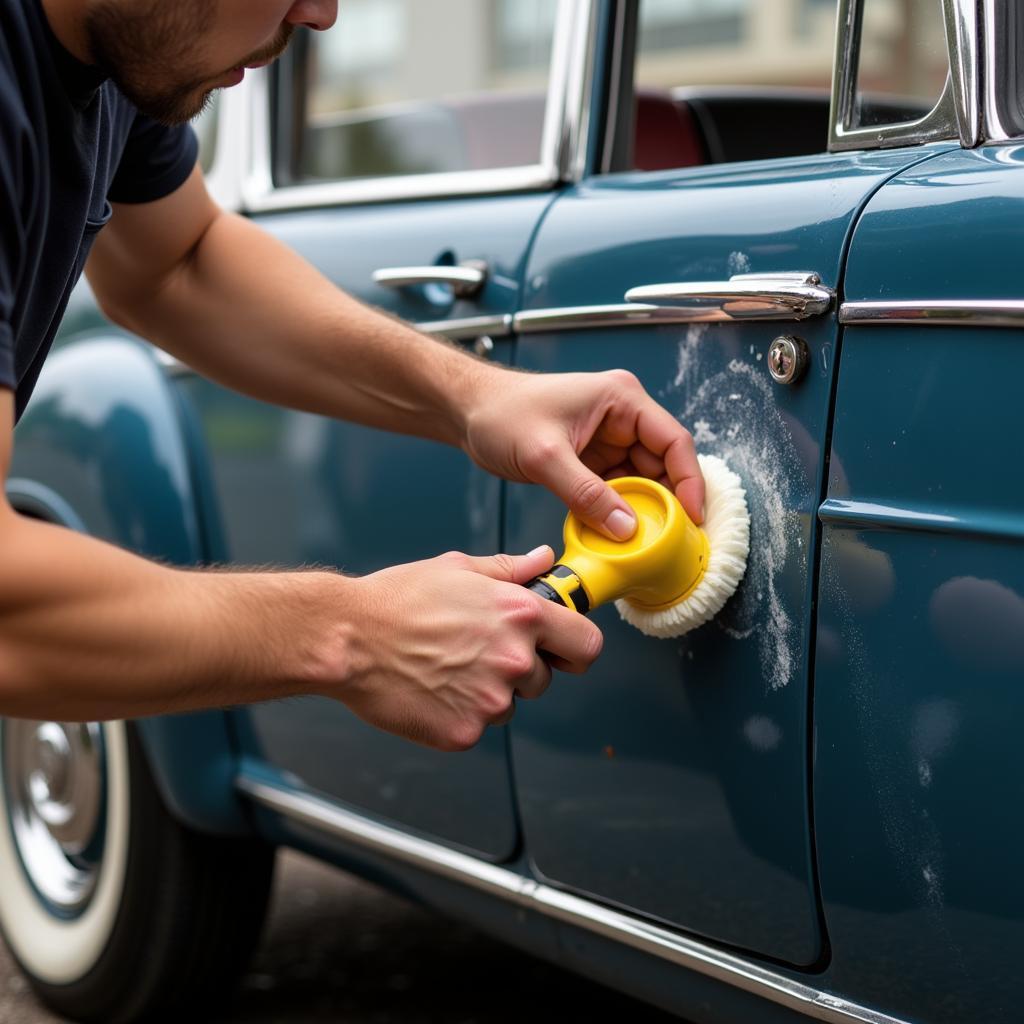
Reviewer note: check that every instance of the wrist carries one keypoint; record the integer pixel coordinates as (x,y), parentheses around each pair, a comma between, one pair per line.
(472,394)
(322,649)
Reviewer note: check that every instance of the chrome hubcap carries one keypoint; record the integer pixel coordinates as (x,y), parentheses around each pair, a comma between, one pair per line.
(53,775)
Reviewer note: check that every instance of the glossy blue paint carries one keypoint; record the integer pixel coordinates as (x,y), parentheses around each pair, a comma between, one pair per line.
(703,1000)
(673,780)
(102,433)
(943,230)
(919,775)
(293,489)
(100,450)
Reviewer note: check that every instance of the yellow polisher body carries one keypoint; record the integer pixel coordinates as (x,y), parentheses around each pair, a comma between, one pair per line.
(659,566)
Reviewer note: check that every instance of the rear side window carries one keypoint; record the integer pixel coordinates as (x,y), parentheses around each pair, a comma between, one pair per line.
(717,81)
(723,80)
(903,63)
(407,87)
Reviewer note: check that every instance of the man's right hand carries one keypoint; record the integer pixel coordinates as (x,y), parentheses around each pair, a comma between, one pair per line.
(442,647)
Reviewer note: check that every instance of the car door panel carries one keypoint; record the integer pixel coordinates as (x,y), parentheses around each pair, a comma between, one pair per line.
(919,778)
(685,762)
(295,489)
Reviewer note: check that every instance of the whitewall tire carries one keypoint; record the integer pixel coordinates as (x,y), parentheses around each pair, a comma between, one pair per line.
(116,912)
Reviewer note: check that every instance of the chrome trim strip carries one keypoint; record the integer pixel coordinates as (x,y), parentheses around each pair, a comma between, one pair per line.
(259,181)
(470,327)
(570,318)
(935,312)
(870,515)
(956,114)
(579,91)
(998,75)
(963,44)
(790,296)
(325,817)
(535,178)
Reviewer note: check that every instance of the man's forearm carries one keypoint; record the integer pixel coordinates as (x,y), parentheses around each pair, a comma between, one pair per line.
(89,631)
(246,310)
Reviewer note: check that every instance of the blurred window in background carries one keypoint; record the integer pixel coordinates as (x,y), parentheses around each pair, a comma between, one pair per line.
(717,81)
(903,62)
(402,87)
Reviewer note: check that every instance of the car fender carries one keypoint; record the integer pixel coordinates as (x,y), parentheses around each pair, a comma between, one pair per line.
(101,449)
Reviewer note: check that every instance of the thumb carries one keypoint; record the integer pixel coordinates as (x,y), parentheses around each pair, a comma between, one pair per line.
(514,568)
(589,497)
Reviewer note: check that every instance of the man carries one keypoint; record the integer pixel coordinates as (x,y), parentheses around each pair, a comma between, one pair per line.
(94,96)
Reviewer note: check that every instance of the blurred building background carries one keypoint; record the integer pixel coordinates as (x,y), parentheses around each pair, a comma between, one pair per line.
(415,86)
(391,50)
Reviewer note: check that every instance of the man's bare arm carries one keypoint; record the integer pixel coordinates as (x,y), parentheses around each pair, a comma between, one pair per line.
(240,307)
(88,631)
(432,651)
(230,300)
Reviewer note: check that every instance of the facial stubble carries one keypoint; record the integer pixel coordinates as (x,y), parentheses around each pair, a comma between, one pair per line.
(154,50)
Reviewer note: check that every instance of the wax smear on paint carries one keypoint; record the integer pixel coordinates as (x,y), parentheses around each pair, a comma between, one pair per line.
(733,414)
(739,263)
(901,776)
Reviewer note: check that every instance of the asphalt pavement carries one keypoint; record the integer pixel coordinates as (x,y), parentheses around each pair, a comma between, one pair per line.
(337,949)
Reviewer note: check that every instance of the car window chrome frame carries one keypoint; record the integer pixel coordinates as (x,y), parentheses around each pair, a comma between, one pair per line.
(563,138)
(999,90)
(231,146)
(956,115)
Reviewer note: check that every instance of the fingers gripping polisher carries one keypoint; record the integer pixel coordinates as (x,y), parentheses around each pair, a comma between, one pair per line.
(671,575)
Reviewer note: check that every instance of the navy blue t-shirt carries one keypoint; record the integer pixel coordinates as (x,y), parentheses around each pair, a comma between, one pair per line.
(69,143)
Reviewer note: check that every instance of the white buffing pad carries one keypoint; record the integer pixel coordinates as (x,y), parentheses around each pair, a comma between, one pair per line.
(727,525)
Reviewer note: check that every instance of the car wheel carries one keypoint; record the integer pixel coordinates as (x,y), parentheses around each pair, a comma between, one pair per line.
(115,911)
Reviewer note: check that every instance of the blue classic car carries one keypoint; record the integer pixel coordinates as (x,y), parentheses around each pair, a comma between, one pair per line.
(809,808)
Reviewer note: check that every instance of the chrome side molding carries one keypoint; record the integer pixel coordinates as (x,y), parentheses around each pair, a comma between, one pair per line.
(321,815)
(935,312)
(469,328)
(787,296)
(567,318)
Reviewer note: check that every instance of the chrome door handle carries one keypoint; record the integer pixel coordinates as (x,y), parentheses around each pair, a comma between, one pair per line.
(466,279)
(793,296)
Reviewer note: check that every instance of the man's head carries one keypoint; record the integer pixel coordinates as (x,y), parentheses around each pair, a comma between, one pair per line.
(167,56)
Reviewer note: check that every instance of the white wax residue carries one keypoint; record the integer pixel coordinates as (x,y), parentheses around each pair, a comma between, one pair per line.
(739,263)
(685,367)
(733,414)
(703,434)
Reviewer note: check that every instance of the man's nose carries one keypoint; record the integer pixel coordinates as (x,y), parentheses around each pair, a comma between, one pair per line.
(314,14)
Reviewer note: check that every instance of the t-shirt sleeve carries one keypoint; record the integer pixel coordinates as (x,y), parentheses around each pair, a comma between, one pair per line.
(156,160)
(15,170)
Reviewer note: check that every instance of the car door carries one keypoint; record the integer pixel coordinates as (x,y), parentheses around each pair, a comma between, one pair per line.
(414,179)
(920,775)
(674,780)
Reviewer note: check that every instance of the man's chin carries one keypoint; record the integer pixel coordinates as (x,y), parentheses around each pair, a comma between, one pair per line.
(172,108)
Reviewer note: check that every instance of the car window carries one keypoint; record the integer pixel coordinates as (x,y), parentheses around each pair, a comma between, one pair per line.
(402,87)
(903,61)
(723,80)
